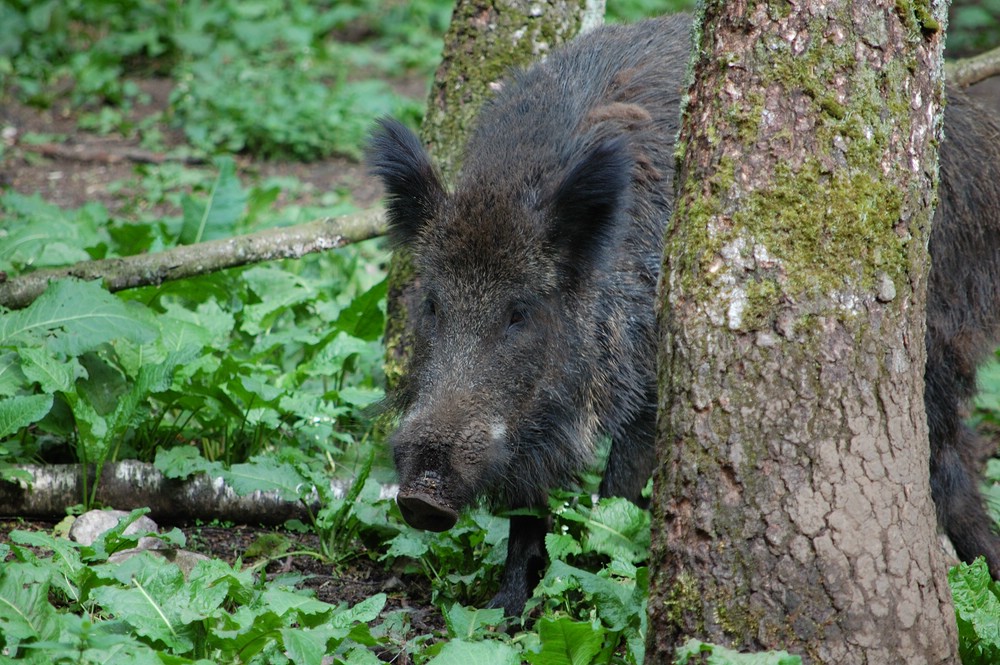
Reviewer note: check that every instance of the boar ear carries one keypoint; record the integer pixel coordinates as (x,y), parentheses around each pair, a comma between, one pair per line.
(587,203)
(396,157)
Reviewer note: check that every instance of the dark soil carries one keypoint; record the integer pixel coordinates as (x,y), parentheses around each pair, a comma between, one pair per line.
(72,182)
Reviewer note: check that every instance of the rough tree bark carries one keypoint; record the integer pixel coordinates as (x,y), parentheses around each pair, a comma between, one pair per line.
(486,39)
(791,504)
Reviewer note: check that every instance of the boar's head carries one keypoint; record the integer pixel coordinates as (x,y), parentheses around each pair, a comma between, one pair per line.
(496,400)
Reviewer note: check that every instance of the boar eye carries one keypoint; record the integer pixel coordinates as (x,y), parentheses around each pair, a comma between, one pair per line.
(430,311)
(517,320)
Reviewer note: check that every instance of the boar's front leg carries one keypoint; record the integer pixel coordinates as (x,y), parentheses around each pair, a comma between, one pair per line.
(526,560)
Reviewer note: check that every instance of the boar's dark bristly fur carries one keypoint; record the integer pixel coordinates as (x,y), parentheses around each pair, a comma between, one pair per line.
(538,274)
(963,321)
(538,277)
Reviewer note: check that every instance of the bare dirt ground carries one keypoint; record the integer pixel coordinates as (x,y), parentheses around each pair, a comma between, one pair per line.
(102,162)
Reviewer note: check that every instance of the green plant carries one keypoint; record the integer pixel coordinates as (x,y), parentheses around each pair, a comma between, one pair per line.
(289,350)
(977,609)
(62,602)
(713,654)
(273,77)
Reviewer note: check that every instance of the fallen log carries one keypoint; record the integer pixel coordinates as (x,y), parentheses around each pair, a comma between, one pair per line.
(130,484)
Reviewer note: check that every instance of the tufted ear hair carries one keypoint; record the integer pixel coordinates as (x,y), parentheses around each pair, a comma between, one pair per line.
(414,192)
(586,206)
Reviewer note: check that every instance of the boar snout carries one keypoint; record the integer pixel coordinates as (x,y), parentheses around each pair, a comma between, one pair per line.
(422,509)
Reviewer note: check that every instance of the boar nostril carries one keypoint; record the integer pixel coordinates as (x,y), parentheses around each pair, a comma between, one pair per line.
(422,511)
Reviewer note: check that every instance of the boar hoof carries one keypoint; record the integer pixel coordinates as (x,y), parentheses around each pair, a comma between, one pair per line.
(422,511)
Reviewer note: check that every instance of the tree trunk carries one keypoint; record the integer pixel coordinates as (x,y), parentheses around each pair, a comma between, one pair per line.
(792,506)
(486,39)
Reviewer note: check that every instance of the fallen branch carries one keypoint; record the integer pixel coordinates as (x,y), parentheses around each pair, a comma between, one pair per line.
(129,484)
(108,155)
(967,71)
(290,242)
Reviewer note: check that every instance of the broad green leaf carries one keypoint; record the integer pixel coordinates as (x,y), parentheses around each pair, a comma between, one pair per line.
(183,461)
(460,652)
(43,235)
(25,612)
(364,317)
(330,359)
(72,317)
(406,543)
(12,379)
(265,475)
(468,622)
(217,216)
(361,656)
(619,528)
(719,655)
(18,412)
(977,609)
(51,374)
(150,603)
(278,290)
(561,545)
(289,603)
(364,612)
(305,646)
(360,397)
(567,642)
(613,600)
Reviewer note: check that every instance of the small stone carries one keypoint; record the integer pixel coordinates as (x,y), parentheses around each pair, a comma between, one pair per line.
(89,526)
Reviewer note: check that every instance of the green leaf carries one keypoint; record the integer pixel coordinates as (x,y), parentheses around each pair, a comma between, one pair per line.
(183,462)
(561,545)
(363,318)
(407,543)
(719,655)
(364,612)
(977,609)
(217,216)
(151,604)
(18,412)
(73,317)
(25,612)
(468,622)
(613,600)
(278,290)
(619,528)
(361,656)
(567,642)
(460,652)
(288,603)
(52,374)
(12,379)
(305,646)
(266,475)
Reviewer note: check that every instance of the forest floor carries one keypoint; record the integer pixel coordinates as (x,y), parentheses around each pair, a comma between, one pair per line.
(90,167)
(87,167)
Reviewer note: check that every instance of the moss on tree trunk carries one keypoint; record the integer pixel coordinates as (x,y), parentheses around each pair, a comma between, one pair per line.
(792,506)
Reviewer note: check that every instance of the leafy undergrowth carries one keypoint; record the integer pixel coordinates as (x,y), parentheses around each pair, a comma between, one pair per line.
(273,77)
(60,601)
(267,375)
